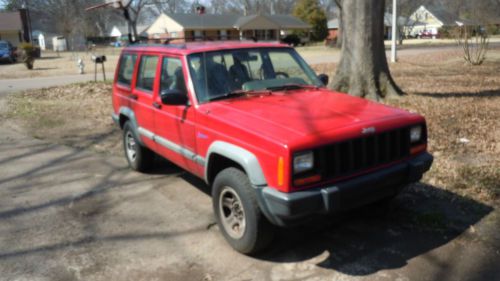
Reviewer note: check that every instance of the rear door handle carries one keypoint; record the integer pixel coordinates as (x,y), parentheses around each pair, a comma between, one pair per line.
(156,105)
(134,97)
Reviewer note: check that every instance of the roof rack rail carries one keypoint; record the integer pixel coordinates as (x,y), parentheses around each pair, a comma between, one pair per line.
(169,40)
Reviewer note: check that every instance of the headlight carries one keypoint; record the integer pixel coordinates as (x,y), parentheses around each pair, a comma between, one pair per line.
(416,134)
(303,161)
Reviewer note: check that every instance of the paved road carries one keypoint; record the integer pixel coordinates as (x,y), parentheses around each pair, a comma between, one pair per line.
(69,214)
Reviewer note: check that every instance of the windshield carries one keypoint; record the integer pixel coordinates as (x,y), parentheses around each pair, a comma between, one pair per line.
(4,45)
(217,74)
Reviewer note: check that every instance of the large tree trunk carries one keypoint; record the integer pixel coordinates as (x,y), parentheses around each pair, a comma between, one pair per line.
(363,70)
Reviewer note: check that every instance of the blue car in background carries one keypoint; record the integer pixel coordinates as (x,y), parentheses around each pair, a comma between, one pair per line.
(7,52)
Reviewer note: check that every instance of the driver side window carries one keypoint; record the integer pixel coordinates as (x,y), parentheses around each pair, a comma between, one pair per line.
(172,76)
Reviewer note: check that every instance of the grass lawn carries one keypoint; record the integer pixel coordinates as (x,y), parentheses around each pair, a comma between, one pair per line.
(461,104)
(64,63)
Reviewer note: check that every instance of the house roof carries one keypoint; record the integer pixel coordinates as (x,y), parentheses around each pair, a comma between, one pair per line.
(402,21)
(206,21)
(444,16)
(123,30)
(10,21)
(209,21)
(288,21)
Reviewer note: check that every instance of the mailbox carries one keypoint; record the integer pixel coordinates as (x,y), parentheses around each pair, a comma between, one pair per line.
(99,59)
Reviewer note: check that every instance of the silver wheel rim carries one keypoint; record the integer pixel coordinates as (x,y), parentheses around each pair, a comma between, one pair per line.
(130,146)
(232,213)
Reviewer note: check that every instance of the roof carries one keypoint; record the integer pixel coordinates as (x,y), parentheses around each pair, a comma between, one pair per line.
(402,21)
(10,21)
(288,21)
(205,21)
(196,47)
(226,21)
(123,29)
(446,17)
(333,24)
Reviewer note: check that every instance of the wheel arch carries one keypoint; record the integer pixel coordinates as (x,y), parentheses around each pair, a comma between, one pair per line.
(221,155)
(126,114)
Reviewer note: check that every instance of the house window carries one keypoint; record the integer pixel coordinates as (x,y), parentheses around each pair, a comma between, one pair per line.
(173,34)
(260,34)
(198,35)
(223,34)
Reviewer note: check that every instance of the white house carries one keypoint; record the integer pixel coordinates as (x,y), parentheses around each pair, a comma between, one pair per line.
(431,19)
(119,31)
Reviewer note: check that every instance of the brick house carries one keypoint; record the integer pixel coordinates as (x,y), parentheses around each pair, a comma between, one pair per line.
(11,27)
(192,27)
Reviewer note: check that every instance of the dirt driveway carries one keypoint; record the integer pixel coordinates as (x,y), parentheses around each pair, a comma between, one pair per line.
(70,214)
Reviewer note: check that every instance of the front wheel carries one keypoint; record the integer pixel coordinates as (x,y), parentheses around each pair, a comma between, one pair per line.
(238,214)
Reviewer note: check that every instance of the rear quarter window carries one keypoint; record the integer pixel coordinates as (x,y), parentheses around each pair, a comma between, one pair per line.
(126,71)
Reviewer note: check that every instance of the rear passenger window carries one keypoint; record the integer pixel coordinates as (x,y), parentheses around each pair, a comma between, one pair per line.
(127,64)
(147,72)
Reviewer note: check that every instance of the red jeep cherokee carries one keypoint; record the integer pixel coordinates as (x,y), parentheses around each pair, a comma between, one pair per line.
(260,127)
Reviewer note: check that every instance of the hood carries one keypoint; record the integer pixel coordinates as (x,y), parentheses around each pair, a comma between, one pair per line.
(288,117)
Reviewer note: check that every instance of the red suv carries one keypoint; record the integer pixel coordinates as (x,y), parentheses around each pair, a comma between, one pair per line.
(260,127)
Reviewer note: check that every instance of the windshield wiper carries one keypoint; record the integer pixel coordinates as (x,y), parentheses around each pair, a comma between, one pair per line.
(236,93)
(290,87)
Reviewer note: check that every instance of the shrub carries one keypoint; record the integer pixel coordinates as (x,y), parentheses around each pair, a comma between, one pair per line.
(291,39)
(28,53)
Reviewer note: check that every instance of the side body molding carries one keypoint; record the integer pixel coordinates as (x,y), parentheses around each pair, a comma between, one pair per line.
(245,158)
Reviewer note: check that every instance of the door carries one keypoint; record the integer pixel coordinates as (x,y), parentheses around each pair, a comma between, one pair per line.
(142,97)
(174,124)
(123,85)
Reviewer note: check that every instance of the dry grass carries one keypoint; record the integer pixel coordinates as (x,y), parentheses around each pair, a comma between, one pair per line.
(462,106)
(459,102)
(77,115)
(64,63)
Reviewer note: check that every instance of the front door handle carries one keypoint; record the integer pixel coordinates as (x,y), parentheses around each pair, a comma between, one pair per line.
(156,105)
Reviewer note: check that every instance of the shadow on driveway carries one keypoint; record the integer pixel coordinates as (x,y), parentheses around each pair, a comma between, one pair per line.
(378,237)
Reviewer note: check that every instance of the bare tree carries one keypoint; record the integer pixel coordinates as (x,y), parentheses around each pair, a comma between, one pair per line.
(363,70)
(168,6)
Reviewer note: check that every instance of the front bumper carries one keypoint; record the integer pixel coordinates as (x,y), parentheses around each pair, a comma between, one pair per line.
(290,208)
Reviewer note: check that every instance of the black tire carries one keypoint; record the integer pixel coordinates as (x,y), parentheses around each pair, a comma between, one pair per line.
(257,231)
(143,158)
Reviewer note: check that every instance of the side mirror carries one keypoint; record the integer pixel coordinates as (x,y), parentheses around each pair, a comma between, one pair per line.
(173,97)
(324,79)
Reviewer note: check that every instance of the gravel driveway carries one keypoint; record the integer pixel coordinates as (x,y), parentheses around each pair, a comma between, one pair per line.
(68,214)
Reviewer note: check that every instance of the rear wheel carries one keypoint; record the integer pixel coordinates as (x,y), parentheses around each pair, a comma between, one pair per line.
(238,214)
(139,157)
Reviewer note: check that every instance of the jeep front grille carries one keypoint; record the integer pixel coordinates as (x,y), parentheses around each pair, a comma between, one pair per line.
(355,155)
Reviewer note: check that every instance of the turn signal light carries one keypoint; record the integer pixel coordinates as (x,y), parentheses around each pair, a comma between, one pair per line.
(308,180)
(418,148)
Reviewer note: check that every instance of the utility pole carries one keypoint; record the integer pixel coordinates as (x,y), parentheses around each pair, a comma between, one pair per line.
(394,31)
